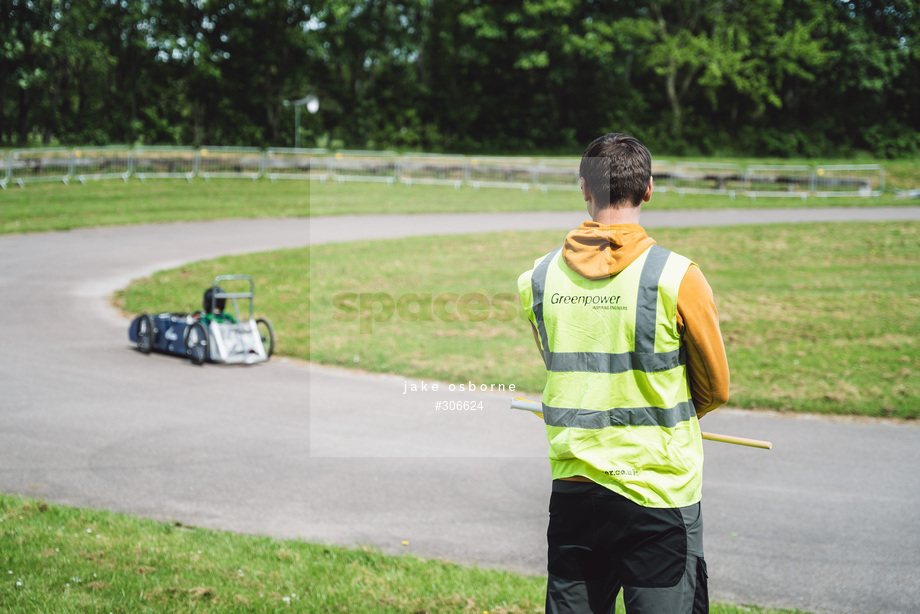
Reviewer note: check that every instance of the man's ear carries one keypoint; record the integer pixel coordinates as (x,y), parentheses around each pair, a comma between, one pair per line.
(584,191)
(648,191)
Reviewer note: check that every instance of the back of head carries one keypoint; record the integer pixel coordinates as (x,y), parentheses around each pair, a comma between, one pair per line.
(212,305)
(616,169)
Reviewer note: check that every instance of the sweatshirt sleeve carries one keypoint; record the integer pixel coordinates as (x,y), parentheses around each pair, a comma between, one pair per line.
(698,321)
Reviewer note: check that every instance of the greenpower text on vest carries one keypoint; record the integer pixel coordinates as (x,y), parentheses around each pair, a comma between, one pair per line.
(584,299)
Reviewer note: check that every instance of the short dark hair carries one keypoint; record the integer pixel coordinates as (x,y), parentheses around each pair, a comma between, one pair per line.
(616,169)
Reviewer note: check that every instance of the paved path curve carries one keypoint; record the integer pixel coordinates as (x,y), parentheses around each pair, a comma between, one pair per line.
(827,521)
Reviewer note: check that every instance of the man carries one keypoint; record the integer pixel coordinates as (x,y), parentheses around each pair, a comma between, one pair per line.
(630,339)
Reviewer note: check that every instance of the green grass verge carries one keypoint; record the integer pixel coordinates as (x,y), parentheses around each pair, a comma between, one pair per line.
(816,317)
(356,198)
(46,206)
(55,206)
(59,559)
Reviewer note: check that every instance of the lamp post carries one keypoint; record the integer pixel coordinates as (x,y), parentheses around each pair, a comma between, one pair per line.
(311,102)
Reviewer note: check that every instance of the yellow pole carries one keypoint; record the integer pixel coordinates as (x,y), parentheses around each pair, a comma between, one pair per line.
(537,409)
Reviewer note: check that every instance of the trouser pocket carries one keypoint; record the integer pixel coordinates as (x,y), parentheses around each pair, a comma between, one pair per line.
(701,595)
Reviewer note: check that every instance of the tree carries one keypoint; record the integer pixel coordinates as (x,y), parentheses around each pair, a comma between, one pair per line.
(27,35)
(750,76)
(709,47)
(873,84)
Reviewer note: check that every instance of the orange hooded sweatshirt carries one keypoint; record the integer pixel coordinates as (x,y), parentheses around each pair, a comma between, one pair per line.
(596,251)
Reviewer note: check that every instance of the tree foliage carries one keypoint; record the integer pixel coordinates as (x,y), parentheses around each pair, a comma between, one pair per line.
(756,77)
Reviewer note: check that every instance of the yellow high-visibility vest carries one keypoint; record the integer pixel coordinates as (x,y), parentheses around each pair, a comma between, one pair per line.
(617,402)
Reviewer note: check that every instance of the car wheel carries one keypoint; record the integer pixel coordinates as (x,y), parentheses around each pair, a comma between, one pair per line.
(267,334)
(144,334)
(196,343)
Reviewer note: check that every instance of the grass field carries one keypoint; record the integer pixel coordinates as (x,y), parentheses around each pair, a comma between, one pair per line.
(59,559)
(333,199)
(55,206)
(816,318)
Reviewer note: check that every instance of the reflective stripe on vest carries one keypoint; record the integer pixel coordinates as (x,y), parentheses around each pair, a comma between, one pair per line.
(617,402)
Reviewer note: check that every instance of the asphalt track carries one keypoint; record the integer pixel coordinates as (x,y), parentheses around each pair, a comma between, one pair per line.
(827,521)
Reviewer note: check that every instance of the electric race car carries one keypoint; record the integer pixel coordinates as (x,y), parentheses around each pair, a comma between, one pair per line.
(212,334)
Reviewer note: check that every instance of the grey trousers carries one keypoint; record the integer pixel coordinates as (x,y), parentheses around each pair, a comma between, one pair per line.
(600,542)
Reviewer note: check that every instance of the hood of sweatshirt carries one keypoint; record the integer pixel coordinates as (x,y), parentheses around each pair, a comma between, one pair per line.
(596,251)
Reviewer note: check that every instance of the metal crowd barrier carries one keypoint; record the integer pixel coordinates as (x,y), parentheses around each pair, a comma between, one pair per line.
(849,180)
(557,174)
(291,163)
(152,162)
(241,162)
(434,169)
(663,173)
(364,166)
(22,166)
(110,162)
(496,172)
(35,165)
(779,180)
(707,178)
